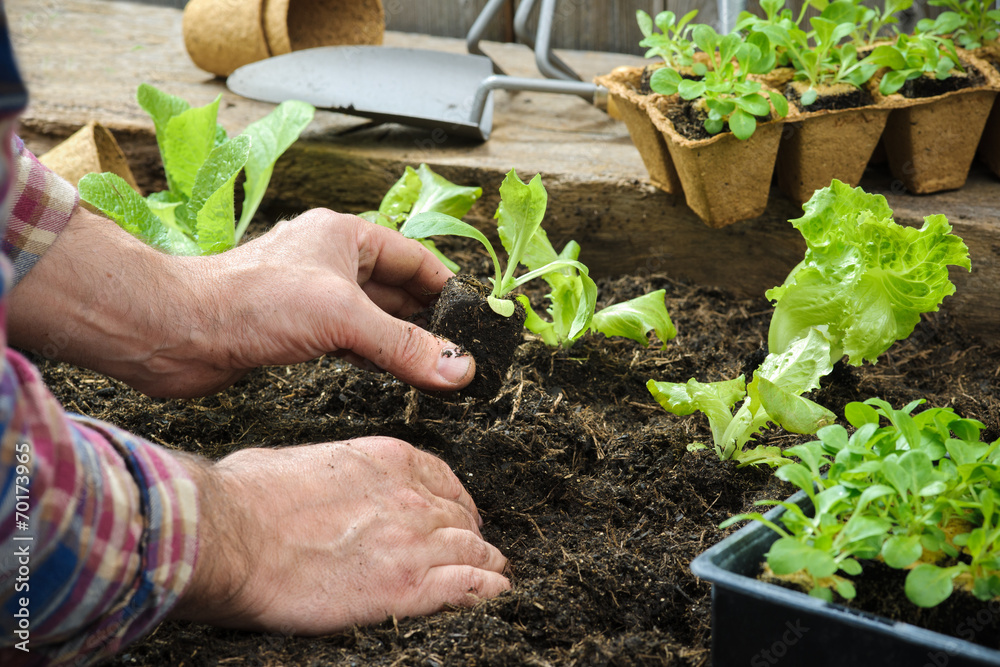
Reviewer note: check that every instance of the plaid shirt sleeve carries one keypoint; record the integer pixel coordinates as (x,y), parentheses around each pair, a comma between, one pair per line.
(42,204)
(98,528)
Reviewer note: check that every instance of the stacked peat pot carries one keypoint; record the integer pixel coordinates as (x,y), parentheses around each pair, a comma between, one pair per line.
(837,114)
(223,35)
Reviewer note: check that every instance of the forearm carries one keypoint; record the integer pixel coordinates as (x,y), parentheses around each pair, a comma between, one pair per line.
(101,299)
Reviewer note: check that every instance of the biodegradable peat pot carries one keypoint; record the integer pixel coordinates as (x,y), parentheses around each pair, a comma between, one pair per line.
(463,316)
(222,35)
(819,146)
(291,25)
(90,150)
(757,623)
(930,142)
(724,179)
(624,92)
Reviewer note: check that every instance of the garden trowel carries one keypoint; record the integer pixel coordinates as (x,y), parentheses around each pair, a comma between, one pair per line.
(431,89)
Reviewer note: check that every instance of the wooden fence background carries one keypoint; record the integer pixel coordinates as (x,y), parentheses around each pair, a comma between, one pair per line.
(593,25)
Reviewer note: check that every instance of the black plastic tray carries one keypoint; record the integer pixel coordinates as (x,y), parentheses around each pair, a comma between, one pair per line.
(759,624)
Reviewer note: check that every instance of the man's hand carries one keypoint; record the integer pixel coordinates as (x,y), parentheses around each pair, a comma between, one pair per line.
(314,539)
(189,326)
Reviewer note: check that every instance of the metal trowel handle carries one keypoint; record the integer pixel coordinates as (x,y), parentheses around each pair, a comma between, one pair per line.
(549,64)
(561,78)
(596,95)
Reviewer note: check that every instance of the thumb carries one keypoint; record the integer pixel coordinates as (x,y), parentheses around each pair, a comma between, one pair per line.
(414,355)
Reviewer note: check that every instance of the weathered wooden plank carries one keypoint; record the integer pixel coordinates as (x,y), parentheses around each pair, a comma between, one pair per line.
(595,25)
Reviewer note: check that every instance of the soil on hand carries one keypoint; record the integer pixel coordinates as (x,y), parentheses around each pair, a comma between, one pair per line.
(844,96)
(583,481)
(463,316)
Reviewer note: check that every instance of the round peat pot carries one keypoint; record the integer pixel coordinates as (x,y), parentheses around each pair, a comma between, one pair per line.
(725,179)
(623,92)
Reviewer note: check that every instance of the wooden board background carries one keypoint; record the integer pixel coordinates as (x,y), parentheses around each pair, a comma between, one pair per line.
(591,25)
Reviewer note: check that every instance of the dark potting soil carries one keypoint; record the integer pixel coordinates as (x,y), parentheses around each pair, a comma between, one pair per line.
(463,316)
(961,615)
(928,86)
(584,482)
(647,74)
(859,97)
(689,120)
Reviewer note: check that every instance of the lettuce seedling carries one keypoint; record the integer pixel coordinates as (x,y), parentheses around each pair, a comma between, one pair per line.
(862,285)
(870,22)
(919,493)
(817,55)
(519,217)
(196,214)
(725,91)
(673,42)
(972,23)
(418,191)
(910,57)
(571,293)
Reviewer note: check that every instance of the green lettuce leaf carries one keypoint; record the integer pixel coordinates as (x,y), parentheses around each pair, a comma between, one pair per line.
(522,207)
(211,209)
(636,317)
(439,194)
(270,137)
(865,279)
(116,199)
(398,201)
(188,138)
(715,399)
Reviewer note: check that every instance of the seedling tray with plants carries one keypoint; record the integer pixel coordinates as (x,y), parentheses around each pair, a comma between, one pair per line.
(839,72)
(758,623)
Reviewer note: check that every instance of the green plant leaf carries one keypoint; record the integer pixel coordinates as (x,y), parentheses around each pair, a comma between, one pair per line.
(742,124)
(211,209)
(188,138)
(636,317)
(441,195)
(504,307)
(522,207)
(900,551)
(537,325)
(431,223)
(665,81)
(929,585)
(715,399)
(864,278)
(788,556)
(399,199)
(116,199)
(793,413)
(161,107)
(270,137)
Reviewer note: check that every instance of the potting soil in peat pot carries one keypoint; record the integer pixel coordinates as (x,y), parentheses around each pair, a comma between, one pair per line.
(463,316)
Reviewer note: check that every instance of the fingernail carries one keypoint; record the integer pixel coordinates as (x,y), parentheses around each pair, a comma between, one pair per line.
(455,365)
